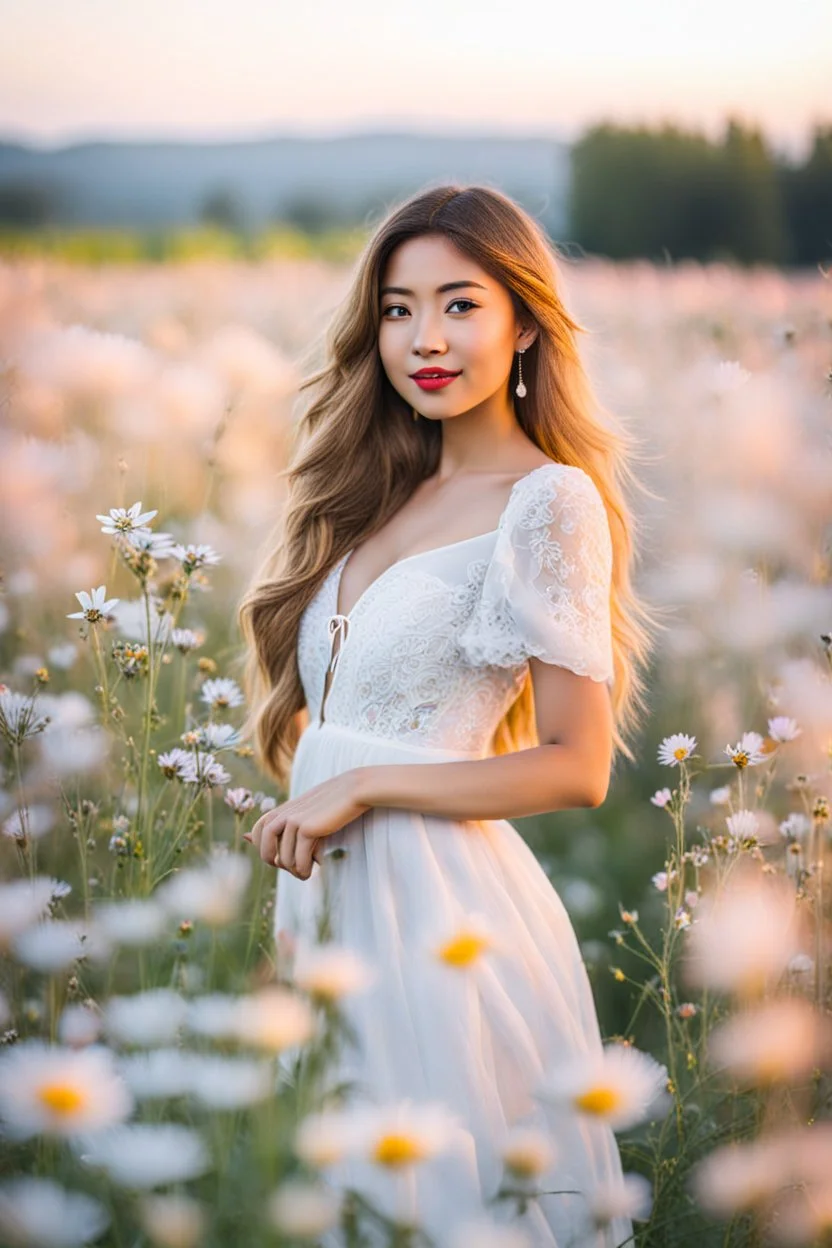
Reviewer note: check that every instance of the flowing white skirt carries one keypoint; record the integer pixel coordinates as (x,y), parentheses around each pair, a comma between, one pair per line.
(478,1039)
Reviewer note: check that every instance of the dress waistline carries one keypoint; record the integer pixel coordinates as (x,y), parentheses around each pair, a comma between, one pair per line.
(411,749)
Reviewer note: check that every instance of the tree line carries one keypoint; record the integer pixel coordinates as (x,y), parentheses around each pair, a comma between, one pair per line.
(669,193)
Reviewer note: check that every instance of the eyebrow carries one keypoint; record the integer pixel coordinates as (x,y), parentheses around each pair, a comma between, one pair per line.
(402,290)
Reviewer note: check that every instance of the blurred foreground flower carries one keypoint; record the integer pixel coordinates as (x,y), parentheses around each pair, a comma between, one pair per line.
(49,1089)
(304,1209)
(19,717)
(145,1155)
(331,972)
(631,1196)
(211,893)
(39,1213)
(777,1041)
(746,933)
(619,1085)
(173,1220)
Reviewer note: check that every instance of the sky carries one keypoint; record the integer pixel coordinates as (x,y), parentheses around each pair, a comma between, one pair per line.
(206,69)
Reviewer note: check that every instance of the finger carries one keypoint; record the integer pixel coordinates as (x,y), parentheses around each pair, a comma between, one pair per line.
(269,842)
(286,854)
(303,855)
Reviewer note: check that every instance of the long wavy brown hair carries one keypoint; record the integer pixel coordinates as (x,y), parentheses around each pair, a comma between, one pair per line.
(358,455)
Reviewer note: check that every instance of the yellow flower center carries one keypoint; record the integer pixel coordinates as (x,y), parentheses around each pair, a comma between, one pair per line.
(62,1098)
(599,1100)
(397,1150)
(680,752)
(463,949)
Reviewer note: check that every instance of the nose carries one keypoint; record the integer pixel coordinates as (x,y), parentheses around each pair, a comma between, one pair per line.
(428,338)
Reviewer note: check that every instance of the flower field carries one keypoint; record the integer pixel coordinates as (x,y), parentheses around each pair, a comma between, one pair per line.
(163,1062)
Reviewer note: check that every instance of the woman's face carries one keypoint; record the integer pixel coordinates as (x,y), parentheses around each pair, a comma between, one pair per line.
(440,310)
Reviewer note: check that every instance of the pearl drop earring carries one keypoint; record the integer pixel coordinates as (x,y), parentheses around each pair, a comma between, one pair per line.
(520,388)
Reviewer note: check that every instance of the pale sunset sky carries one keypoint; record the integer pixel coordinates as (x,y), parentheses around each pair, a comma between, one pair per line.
(204,69)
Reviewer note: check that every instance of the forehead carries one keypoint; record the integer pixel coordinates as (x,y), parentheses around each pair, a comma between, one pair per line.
(423,263)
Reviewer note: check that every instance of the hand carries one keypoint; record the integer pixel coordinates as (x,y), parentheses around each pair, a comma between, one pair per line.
(288,836)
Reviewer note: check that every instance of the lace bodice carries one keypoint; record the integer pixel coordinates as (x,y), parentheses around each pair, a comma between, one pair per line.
(436,649)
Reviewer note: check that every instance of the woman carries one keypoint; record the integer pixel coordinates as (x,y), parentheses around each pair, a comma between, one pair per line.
(450,589)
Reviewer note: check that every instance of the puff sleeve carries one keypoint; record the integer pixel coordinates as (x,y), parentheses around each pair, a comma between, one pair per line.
(546,590)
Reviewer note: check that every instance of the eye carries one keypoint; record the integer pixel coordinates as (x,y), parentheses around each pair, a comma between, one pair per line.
(393,307)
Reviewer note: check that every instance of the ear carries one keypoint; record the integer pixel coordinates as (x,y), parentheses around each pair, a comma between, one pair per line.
(526,335)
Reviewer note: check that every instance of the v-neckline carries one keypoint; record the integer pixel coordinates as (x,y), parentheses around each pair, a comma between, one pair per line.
(420,554)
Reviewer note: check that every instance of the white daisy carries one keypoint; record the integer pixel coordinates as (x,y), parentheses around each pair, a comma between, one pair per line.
(35,821)
(157,1073)
(22,903)
(96,606)
(737,1177)
(331,972)
(79,1024)
(779,1041)
(303,1209)
(721,796)
(744,826)
(327,1137)
(55,944)
(221,693)
(796,826)
(211,893)
(52,1090)
(122,520)
(39,1213)
(214,1014)
(133,922)
(145,1155)
(627,1196)
(527,1153)
(173,1220)
(192,557)
(145,1018)
(186,639)
(229,1082)
(404,1133)
(273,1020)
(466,943)
(782,728)
(745,933)
(207,772)
(676,749)
(619,1085)
(143,542)
(748,751)
(20,717)
(177,764)
(213,736)
(240,800)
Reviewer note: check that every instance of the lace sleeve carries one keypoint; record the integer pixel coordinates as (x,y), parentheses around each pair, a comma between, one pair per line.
(546,591)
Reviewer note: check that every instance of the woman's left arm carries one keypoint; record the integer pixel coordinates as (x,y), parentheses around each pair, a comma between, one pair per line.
(570,768)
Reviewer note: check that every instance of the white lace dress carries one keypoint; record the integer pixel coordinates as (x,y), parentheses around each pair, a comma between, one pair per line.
(425,665)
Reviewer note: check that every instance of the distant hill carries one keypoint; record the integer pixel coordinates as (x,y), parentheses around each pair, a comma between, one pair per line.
(158,184)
